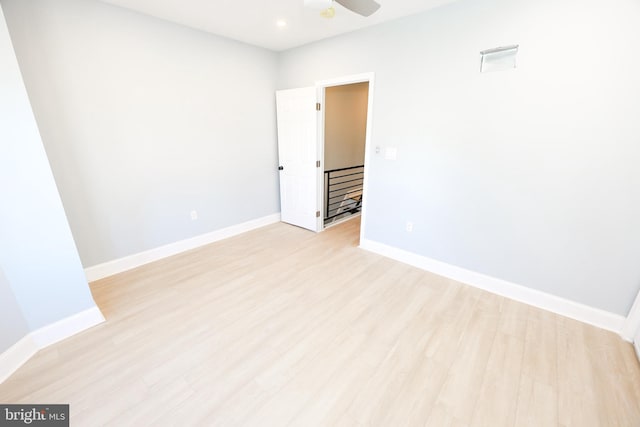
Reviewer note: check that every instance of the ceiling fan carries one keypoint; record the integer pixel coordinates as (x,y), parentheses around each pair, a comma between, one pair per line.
(361,7)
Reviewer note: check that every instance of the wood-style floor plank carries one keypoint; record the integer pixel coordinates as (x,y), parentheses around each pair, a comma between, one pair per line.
(281,326)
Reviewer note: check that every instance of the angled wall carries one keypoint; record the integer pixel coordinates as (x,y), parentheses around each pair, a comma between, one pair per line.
(41,277)
(13,326)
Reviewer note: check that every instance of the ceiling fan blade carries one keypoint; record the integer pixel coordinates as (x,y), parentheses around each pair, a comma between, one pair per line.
(361,7)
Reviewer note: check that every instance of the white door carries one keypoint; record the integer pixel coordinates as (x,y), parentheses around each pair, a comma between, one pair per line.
(297,152)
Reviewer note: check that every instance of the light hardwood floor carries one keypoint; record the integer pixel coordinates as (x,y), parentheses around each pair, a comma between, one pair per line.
(281,326)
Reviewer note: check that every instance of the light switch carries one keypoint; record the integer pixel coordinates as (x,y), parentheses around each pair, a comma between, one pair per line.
(390,153)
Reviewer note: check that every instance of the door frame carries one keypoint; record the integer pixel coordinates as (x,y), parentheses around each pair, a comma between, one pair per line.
(321,85)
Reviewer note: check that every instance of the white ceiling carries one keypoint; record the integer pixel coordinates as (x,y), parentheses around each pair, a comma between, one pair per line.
(254,21)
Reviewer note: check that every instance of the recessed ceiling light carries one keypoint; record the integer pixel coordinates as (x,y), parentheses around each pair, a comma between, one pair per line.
(281,23)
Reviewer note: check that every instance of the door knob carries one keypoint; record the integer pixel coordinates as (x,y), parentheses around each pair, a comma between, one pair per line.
(280,168)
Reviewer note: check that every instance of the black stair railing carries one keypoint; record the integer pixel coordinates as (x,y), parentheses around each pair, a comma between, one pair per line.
(343,191)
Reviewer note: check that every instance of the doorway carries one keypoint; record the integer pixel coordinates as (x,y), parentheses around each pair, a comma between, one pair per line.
(301,150)
(345,126)
(337,95)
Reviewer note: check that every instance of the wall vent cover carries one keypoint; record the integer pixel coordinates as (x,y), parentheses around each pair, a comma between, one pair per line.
(498,58)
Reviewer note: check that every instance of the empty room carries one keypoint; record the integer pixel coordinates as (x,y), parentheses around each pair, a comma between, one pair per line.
(319,213)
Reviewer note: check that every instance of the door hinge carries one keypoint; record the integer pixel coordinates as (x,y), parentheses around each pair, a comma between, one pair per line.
(317,106)
(317,214)
(317,163)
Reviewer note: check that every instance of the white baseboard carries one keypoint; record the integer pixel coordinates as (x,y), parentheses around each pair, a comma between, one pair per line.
(23,350)
(583,313)
(16,356)
(116,266)
(67,327)
(632,324)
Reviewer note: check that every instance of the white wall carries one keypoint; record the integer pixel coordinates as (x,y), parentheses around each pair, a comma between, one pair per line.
(529,175)
(145,121)
(345,125)
(41,278)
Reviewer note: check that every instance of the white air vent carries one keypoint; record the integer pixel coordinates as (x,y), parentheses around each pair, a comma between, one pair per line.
(498,58)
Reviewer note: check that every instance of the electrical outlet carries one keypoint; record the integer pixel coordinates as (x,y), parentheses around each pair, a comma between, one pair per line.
(194,215)
(409,226)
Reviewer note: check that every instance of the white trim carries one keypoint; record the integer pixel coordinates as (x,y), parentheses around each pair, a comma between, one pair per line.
(116,266)
(23,350)
(320,206)
(345,80)
(16,356)
(631,327)
(67,327)
(583,313)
